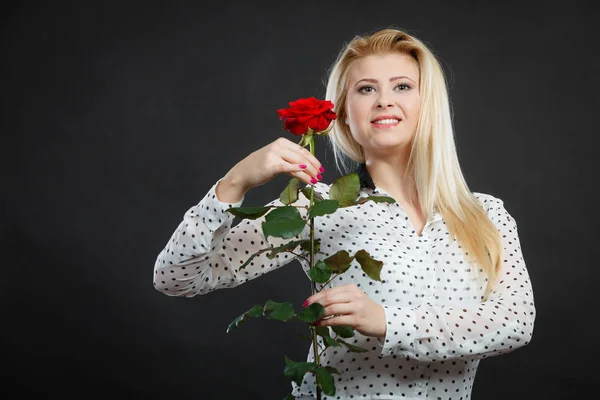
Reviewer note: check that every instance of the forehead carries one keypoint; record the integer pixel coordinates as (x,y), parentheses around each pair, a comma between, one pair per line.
(384,66)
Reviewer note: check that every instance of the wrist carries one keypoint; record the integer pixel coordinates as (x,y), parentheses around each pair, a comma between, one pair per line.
(230,189)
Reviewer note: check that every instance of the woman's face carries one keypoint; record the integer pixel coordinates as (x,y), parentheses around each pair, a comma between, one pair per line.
(383,102)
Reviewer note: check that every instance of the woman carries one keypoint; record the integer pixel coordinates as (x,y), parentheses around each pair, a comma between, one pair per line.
(454,286)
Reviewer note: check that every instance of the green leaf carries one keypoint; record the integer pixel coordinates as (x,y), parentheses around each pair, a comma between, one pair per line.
(376,199)
(322,331)
(273,251)
(295,371)
(345,189)
(305,245)
(322,208)
(331,342)
(280,311)
(303,336)
(290,193)
(351,347)
(289,246)
(255,312)
(289,397)
(369,265)
(250,259)
(312,313)
(344,331)
(339,262)
(320,272)
(248,212)
(284,222)
(316,196)
(332,370)
(325,381)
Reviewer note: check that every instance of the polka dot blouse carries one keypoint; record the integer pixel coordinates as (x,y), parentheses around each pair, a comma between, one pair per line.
(438,326)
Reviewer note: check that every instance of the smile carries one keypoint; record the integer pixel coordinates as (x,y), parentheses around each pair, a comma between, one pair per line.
(386,123)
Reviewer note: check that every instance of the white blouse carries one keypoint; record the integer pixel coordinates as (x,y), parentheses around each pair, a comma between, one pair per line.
(438,326)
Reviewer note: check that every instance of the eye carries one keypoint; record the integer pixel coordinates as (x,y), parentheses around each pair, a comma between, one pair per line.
(366,89)
(404,87)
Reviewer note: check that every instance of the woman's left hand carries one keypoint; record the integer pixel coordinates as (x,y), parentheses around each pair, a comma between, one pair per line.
(351,306)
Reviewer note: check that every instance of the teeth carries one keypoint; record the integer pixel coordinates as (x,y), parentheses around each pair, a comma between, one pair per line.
(387,121)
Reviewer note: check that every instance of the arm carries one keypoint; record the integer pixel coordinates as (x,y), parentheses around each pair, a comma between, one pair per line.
(205,252)
(498,325)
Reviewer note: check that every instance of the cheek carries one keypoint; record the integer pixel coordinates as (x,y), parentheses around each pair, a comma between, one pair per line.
(357,110)
(414,107)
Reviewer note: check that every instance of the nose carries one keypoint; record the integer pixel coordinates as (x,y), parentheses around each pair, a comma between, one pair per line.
(384,103)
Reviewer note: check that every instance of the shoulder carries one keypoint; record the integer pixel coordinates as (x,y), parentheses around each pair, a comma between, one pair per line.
(488,200)
(494,207)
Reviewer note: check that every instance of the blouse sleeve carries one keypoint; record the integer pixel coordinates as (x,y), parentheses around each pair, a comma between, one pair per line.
(205,253)
(502,323)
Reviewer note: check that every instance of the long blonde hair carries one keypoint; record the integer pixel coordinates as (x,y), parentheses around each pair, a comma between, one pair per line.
(433,161)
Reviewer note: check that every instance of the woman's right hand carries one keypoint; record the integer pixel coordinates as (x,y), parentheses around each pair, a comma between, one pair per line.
(262,165)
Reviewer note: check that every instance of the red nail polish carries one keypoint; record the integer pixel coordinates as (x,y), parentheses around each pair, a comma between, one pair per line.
(321,169)
(313,180)
(319,177)
(302,166)
(305,304)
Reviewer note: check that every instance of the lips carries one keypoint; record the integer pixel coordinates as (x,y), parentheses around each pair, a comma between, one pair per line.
(386,119)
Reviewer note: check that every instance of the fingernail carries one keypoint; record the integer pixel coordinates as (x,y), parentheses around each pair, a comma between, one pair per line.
(313,180)
(321,169)
(305,304)
(302,166)
(319,177)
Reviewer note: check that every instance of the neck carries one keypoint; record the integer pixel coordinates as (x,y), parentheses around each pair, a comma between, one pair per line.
(388,174)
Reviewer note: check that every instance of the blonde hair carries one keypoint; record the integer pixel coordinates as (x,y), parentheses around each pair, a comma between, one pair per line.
(433,161)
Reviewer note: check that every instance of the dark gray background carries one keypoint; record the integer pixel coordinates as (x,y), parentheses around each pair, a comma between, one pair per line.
(118,117)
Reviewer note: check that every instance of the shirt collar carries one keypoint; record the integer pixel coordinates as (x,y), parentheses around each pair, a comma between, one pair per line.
(364,177)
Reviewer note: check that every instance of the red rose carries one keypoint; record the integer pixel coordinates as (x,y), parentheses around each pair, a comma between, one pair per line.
(307,113)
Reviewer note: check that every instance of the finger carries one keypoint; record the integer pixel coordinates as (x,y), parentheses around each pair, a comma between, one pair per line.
(338,309)
(349,288)
(296,171)
(304,152)
(294,158)
(331,296)
(348,320)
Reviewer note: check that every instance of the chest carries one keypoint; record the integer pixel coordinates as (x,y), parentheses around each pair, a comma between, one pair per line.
(428,267)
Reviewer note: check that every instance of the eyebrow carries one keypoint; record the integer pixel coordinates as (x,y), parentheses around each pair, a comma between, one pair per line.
(394,78)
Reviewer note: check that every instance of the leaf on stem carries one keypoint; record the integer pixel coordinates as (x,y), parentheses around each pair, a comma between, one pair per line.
(248,212)
(305,245)
(279,311)
(289,246)
(332,370)
(369,265)
(345,189)
(295,371)
(290,193)
(376,199)
(323,207)
(339,262)
(351,347)
(312,313)
(344,331)
(303,336)
(320,272)
(323,331)
(316,196)
(256,311)
(284,222)
(325,381)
